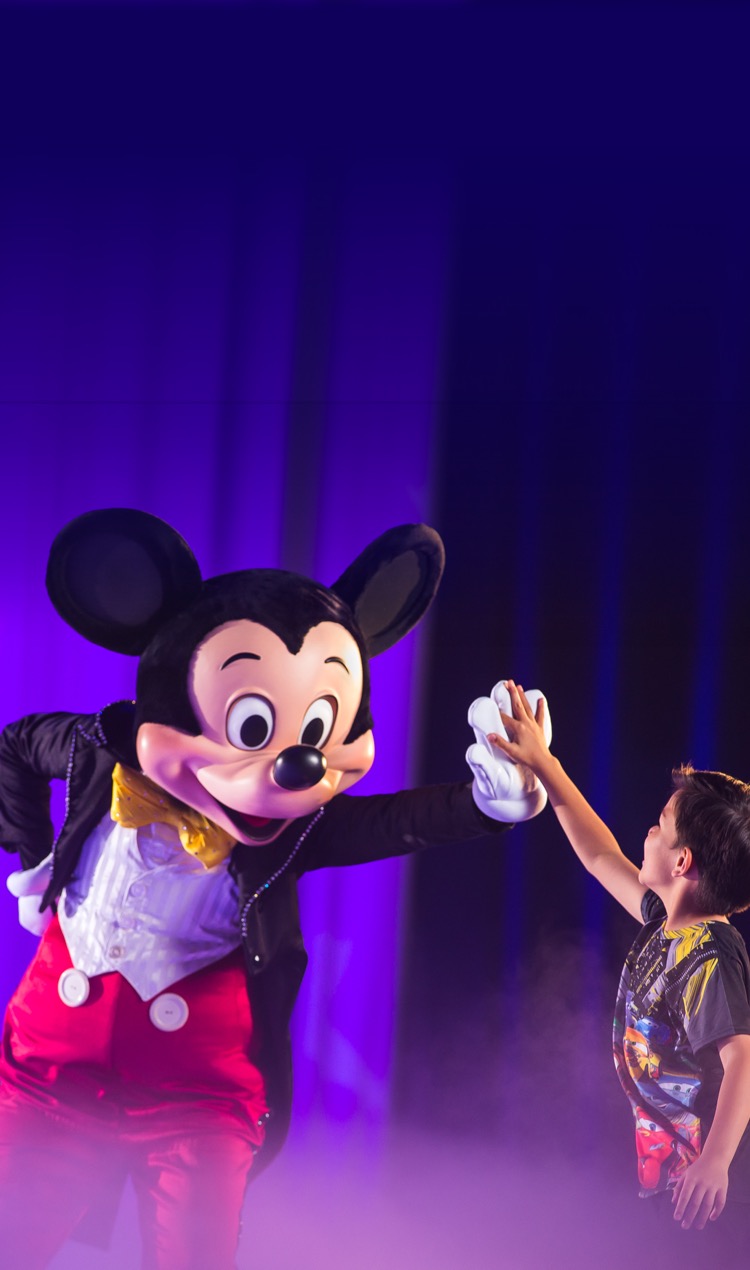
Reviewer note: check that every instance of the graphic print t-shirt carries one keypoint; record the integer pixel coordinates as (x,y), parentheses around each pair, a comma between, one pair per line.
(680,992)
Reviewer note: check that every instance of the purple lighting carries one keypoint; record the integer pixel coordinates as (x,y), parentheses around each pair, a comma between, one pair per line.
(153,328)
(380,426)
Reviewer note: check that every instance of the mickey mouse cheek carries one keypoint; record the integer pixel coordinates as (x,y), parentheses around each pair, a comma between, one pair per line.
(347,764)
(169,756)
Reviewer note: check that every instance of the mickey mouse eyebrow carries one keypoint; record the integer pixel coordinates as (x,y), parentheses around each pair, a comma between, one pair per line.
(239,657)
(340,662)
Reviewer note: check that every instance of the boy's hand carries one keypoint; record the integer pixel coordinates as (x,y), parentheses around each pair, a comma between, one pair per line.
(525,731)
(524,740)
(503,787)
(700,1194)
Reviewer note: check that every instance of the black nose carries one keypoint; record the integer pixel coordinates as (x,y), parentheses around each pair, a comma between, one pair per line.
(299,767)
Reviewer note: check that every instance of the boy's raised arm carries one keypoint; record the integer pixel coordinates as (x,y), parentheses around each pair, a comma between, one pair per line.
(590,838)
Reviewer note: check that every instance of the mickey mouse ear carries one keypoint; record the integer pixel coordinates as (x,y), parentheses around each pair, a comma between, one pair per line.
(117,575)
(392,583)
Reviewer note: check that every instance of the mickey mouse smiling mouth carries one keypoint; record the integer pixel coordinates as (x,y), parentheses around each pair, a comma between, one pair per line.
(258,829)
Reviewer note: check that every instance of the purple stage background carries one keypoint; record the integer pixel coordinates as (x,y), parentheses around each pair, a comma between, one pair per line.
(166,341)
(286,275)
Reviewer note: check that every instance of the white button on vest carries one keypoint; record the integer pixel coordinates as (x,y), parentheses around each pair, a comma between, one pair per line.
(169,1012)
(73,987)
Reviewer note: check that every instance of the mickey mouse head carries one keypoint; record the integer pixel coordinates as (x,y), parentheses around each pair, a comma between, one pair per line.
(252,698)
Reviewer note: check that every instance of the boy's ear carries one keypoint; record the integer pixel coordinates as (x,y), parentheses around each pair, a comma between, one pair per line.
(683,864)
(390,586)
(117,575)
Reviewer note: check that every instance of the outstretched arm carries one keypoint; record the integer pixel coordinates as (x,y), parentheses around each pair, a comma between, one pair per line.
(590,838)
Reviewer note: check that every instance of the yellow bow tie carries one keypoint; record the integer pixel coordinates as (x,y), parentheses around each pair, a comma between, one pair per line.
(137,801)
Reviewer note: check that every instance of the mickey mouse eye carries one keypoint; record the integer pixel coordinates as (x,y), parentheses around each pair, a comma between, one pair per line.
(318,722)
(250,723)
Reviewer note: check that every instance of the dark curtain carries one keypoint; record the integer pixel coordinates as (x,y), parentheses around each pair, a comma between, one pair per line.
(288,274)
(593,497)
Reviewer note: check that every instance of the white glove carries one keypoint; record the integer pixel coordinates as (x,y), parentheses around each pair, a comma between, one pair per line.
(28,885)
(503,789)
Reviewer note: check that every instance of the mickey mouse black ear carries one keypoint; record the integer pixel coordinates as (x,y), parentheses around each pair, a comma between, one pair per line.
(392,583)
(117,575)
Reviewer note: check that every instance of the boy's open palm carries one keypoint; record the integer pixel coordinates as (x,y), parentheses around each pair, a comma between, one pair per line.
(526,732)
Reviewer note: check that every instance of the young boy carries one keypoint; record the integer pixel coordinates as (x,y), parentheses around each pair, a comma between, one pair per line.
(682,1021)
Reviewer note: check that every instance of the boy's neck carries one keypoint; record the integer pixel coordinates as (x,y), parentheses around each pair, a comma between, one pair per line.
(682,910)
(679,896)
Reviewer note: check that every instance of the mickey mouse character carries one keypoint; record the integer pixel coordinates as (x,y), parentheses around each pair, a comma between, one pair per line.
(149,1035)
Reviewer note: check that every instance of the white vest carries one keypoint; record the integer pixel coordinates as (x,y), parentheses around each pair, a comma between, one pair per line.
(140,904)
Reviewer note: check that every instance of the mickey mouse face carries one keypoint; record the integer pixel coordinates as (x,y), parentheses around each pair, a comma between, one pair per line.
(273,726)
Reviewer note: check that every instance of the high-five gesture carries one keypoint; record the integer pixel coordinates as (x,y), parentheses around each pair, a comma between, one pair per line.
(504,788)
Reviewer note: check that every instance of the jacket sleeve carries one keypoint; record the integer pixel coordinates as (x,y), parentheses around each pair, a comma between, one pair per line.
(33,752)
(357,829)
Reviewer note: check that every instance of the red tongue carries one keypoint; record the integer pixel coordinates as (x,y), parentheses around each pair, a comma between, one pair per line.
(257,822)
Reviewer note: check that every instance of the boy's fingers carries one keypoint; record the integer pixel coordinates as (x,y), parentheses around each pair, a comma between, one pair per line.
(526,703)
(523,716)
(516,695)
(694,1212)
(704,1209)
(509,722)
(681,1200)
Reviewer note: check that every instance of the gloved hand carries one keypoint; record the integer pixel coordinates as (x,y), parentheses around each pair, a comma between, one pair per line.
(502,789)
(28,885)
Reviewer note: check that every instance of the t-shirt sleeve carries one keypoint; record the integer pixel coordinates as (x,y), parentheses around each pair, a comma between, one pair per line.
(652,908)
(716,995)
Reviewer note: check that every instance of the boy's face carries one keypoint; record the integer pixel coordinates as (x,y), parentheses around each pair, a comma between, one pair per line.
(658,849)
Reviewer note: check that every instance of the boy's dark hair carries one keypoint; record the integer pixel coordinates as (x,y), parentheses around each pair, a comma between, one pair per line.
(712,817)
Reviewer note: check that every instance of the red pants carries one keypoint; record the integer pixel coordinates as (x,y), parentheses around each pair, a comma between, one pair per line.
(93,1092)
(190,1190)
